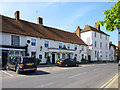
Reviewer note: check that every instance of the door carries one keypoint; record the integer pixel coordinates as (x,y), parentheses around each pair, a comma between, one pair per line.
(89,58)
(4,58)
(53,58)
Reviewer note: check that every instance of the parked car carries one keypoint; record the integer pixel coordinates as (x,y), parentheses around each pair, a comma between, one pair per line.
(66,62)
(119,63)
(21,64)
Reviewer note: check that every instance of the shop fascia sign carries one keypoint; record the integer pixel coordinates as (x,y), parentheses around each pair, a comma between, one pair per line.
(90,47)
(12,49)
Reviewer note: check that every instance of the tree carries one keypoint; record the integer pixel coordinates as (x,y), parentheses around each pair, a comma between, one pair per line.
(112,18)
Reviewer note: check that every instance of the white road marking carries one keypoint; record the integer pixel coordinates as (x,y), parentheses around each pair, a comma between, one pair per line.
(75,75)
(7,73)
(41,86)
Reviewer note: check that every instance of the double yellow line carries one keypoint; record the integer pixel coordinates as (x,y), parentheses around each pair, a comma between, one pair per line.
(109,81)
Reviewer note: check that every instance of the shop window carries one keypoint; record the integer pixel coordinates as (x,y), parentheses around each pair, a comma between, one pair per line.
(11,53)
(15,40)
(16,53)
(46,43)
(33,42)
(33,54)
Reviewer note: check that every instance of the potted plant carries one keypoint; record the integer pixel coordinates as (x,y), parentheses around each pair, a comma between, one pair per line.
(83,60)
(37,60)
(75,58)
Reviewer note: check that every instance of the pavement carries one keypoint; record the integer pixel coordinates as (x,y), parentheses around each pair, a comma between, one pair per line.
(83,76)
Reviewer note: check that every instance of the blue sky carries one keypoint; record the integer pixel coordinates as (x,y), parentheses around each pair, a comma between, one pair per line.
(62,15)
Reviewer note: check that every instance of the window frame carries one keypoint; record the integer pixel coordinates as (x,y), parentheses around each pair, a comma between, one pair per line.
(33,43)
(46,44)
(68,46)
(13,39)
(60,45)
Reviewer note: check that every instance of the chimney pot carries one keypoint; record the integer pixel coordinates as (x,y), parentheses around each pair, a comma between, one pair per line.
(40,20)
(97,26)
(17,16)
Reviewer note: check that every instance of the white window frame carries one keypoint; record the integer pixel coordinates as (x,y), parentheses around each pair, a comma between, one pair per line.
(34,42)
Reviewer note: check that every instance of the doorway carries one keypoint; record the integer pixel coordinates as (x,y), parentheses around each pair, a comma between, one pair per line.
(89,58)
(53,58)
(4,58)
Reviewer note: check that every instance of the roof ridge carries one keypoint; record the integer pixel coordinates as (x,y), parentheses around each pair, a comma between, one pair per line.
(38,24)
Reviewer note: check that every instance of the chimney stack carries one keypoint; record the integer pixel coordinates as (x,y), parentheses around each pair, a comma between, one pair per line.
(97,26)
(78,31)
(40,21)
(110,42)
(17,16)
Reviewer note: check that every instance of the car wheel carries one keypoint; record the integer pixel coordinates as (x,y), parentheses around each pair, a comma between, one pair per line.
(17,70)
(7,67)
(66,65)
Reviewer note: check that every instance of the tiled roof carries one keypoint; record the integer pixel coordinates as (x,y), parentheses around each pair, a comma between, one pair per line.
(90,28)
(21,27)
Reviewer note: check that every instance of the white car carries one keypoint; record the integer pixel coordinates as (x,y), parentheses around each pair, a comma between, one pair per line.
(119,63)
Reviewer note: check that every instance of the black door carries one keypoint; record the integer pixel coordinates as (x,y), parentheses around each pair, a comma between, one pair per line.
(4,59)
(53,58)
(69,56)
(89,58)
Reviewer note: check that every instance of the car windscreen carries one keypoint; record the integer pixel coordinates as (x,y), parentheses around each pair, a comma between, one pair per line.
(28,60)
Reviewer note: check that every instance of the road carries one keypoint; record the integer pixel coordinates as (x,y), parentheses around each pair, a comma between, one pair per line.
(85,76)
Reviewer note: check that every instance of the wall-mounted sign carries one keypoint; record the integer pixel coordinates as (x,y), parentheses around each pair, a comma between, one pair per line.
(90,47)
(100,52)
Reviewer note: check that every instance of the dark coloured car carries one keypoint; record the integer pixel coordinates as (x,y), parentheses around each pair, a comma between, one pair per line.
(21,64)
(119,63)
(66,62)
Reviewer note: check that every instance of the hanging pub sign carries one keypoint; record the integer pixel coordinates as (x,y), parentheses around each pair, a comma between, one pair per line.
(100,52)
(90,47)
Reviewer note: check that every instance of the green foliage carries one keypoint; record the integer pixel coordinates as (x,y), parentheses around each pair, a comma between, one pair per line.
(112,18)
(37,60)
(75,58)
(48,58)
(84,60)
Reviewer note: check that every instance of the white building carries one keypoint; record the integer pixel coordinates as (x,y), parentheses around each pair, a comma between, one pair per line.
(21,37)
(112,52)
(97,39)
